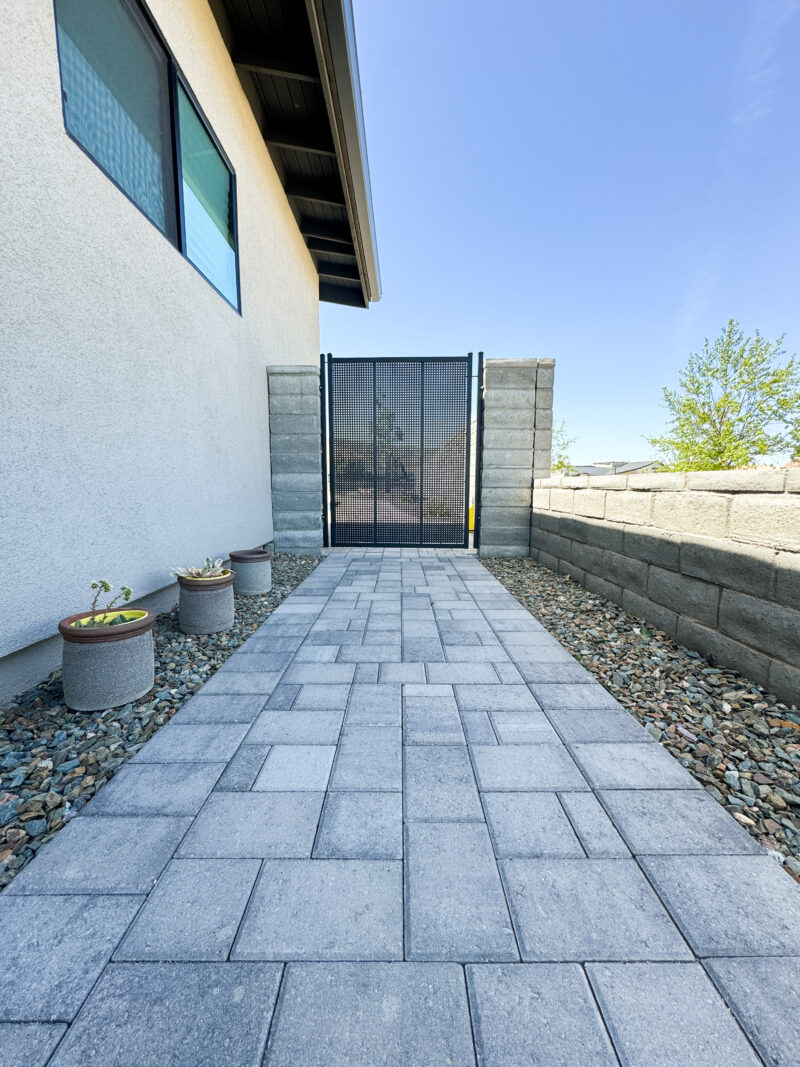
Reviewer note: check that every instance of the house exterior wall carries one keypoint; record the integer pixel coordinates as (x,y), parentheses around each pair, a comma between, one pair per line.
(134,415)
(517,437)
(712,558)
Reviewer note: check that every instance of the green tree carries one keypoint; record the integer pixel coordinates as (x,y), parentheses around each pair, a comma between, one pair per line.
(735,404)
(560,462)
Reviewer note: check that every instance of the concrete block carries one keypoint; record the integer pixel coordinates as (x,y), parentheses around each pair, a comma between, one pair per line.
(588,557)
(616,482)
(767,520)
(517,439)
(658,481)
(590,502)
(295,462)
(545,375)
(544,419)
(748,569)
(506,496)
(761,624)
(544,441)
(507,457)
(629,507)
(309,522)
(602,533)
(489,550)
(298,542)
(510,373)
(516,418)
(292,404)
(784,681)
(294,425)
(541,498)
(544,397)
(763,480)
(523,398)
(653,546)
(576,574)
(657,614)
(688,596)
(283,502)
(562,500)
(296,483)
(508,478)
(697,513)
(575,481)
(705,896)
(787,579)
(624,571)
(303,442)
(602,588)
(621,917)
(552,523)
(546,560)
(541,455)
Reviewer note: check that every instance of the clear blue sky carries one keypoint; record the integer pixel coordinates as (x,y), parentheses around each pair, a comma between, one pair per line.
(604,182)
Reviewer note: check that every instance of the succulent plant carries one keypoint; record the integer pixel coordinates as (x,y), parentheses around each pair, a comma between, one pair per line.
(212,568)
(102,585)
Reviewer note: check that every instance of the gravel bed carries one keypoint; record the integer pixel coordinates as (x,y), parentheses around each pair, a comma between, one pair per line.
(736,739)
(53,760)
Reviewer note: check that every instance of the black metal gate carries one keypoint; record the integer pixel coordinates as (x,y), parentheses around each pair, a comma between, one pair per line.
(398,451)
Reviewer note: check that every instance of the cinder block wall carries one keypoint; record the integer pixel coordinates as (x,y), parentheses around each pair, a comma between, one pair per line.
(517,436)
(296,458)
(711,558)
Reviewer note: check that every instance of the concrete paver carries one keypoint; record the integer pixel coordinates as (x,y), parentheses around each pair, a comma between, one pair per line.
(407,819)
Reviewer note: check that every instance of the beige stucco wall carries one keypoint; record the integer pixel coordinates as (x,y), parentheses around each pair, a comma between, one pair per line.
(133,400)
(712,558)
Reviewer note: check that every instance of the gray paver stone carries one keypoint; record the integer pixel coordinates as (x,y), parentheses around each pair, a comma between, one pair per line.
(495,698)
(663,1014)
(593,826)
(243,769)
(590,726)
(455,907)
(193,913)
(529,824)
(201,743)
(569,697)
(361,826)
(763,995)
(152,1014)
(371,1014)
(254,825)
(105,854)
(156,789)
(536,1013)
(520,767)
(730,905)
(627,765)
(296,727)
(523,727)
(28,1044)
(375,705)
(612,912)
(324,910)
(370,758)
(220,707)
(292,767)
(440,785)
(53,949)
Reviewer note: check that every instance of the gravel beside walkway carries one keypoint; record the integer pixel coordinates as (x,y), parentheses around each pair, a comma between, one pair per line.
(737,740)
(401,825)
(53,760)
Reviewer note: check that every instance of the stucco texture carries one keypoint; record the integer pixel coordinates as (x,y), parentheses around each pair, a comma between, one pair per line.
(134,415)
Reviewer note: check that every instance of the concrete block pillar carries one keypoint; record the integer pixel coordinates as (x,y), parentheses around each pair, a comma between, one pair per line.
(517,436)
(296,458)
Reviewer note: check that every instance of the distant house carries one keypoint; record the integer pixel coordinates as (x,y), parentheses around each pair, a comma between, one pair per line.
(619,466)
(185,181)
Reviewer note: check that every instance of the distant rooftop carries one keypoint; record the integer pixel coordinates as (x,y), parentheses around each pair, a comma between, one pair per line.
(618,466)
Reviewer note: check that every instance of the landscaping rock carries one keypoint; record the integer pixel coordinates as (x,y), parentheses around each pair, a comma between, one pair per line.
(53,760)
(732,735)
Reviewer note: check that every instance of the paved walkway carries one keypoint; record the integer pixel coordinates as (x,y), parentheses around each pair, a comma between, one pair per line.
(439,842)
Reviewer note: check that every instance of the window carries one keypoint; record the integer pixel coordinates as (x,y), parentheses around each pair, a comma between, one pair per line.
(127,106)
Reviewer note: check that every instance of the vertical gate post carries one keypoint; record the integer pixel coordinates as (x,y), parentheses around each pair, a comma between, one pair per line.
(296,458)
(517,431)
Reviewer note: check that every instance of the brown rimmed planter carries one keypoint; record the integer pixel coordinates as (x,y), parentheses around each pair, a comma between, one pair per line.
(253,571)
(205,605)
(107,666)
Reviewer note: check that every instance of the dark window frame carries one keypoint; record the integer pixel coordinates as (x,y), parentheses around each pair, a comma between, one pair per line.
(176,77)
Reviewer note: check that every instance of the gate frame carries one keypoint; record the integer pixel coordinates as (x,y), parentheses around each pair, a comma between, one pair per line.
(326,424)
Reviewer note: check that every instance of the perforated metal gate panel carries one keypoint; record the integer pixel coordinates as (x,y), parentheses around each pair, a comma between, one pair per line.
(398,451)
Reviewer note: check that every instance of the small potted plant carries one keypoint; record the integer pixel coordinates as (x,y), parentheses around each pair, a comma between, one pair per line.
(107,658)
(253,571)
(205,601)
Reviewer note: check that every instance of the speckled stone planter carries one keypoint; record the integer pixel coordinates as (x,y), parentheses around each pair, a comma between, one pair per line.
(106,666)
(253,571)
(205,605)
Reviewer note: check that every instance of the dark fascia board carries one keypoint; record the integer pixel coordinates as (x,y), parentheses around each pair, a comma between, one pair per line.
(333,32)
